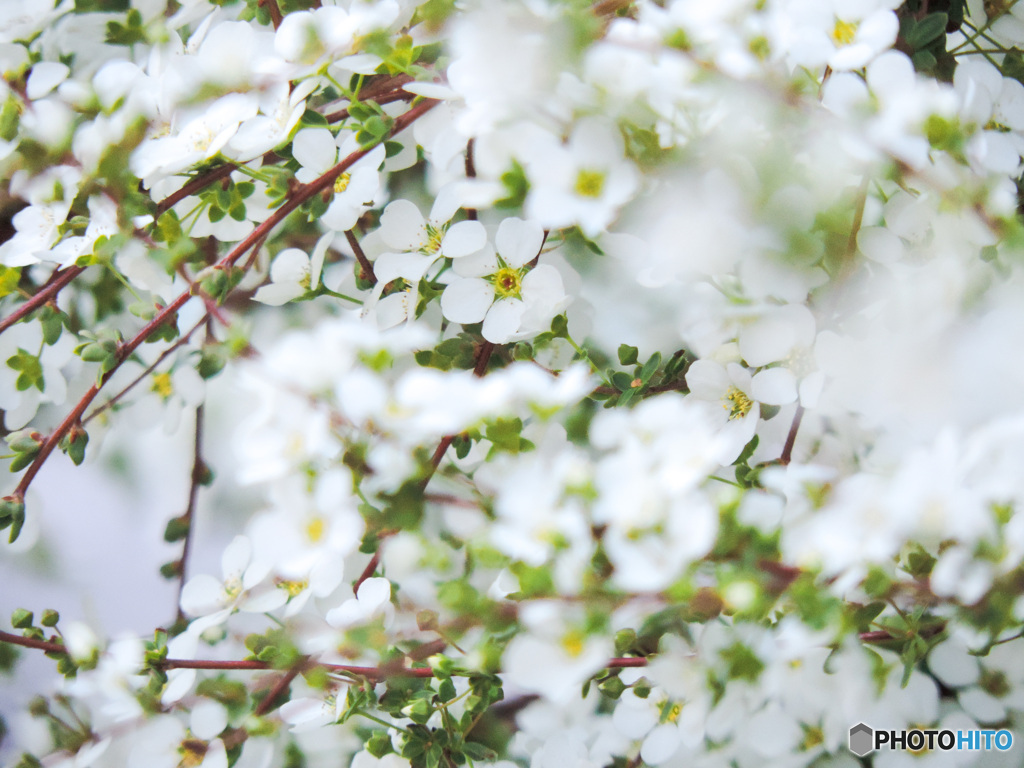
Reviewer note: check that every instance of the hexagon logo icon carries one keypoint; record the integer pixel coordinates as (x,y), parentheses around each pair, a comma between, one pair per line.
(862,739)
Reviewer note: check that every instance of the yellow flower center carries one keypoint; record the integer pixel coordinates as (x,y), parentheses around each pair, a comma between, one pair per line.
(737,403)
(162,385)
(589,183)
(315,529)
(293,588)
(673,712)
(812,738)
(341,183)
(434,237)
(233,587)
(844,32)
(507,282)
(573,643)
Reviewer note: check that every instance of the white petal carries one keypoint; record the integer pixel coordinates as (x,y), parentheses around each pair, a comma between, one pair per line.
(347,614)
(430,90)
(880,244)
(411,266)
(503,320)
(463,238)
(661,744)
(316,260)
(207,719)
(774,386)
(236,557)
(467,300)
(374,592)
(707,379)
(315,149)
(45,76)
(276,294)
(201,595)
(179,683)
(264,603)
(518,241)
(402,226)
(290,266)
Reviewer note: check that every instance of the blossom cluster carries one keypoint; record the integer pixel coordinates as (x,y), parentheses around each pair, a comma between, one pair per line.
(619,383)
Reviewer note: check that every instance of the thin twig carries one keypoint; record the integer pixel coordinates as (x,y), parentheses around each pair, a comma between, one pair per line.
(244,665)
(57,282)
(470,174)
(369,570)
(142,376)
(364,263)
(787,450)
(273,10)
(301,195)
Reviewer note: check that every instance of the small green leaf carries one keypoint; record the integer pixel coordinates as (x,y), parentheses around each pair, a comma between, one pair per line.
(927,30)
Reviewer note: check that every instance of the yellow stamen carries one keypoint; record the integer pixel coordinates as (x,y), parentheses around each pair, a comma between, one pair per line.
(315,529)
(434,237)
(737,403)
(163,385)
(589,183)
(507,283)
(293,588)
(573,643)
(844,32)
(341,183)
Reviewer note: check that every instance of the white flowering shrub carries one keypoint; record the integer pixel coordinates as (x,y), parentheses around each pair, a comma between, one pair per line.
(618,383)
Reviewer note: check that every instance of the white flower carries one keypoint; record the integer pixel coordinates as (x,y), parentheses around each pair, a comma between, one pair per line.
(294,274)
(844,34)
(740,396)
(512,300)
(996,105)
(373,599)
(552,657)
(583,182)
(422,242)
(205,595)
(317,151)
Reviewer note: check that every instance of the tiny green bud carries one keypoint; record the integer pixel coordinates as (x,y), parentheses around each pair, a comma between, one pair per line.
(50,618)
(21,618)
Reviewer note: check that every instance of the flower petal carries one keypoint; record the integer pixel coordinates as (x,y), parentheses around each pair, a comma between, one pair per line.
(402,226)
(467,300)
(774,386)
(464,238)
(503,320)
(518,241)
(315,149)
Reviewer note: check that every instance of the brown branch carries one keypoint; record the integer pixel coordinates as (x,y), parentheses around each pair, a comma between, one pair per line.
(57,282)
(470,174)
(787,450)
(273,10)
(242,665)
(142,376)
(368,571)
(279,687)
(301,195)
(364,263)
(383,91)
(28,642)
(197,183)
